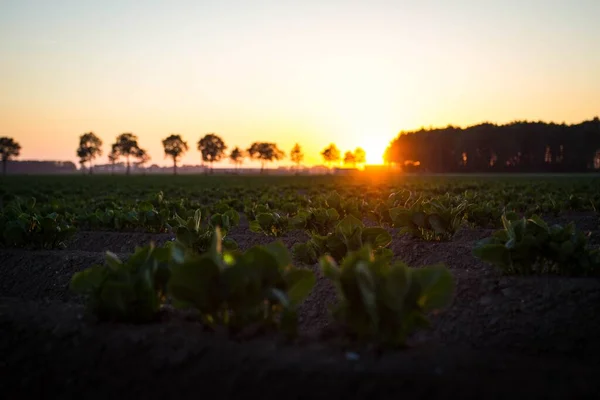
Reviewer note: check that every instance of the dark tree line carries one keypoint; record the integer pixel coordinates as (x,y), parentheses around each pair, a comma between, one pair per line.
(514,147)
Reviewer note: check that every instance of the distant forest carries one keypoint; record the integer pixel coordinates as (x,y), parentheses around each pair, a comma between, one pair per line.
(514,147)
(42,167)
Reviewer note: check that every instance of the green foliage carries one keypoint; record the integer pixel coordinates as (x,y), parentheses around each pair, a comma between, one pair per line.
(259,287)
(349,234)
(131,290)
(193,235)
(21,226)
(343,206)
(320,221)
(431,220)
(270,224)
(384,303)
(530,246)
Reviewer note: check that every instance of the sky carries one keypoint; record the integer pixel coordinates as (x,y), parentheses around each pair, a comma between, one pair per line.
(354,73)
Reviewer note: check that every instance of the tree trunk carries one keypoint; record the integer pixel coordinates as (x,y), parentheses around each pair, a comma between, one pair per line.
(174,166)
(4,162)
(262,167)
(91,168)
(128,166)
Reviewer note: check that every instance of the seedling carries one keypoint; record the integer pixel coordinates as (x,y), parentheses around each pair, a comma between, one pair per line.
(383,303)
(259,287)
(129,291)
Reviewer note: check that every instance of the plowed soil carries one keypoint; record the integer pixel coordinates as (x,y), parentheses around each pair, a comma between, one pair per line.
(502,337)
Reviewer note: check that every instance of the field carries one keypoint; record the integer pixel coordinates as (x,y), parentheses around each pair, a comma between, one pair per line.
(519,316)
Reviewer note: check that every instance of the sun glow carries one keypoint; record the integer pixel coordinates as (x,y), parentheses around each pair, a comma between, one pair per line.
(375,149)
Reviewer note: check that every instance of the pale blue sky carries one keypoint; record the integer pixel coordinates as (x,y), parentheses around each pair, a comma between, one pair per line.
(314,72)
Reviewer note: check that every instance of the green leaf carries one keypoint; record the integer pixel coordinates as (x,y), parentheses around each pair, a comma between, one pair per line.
(196,281)
(229,244)
(305,253)
(145,206)
(437,224)
(349,226)
(537,220)
(493,253)
(333,214)
(437,285)
(88,280)
(180,221)
(329,268)
(334,200)
(419,218)
(298,222)
(300,283)
(31,203)
(395,286)
(281,297)
(254,226)
(376,236)
(366,285)
(112,261)
(280,252)
(265,220)
(197,220)
(400,216)
(233,216)
(264,262)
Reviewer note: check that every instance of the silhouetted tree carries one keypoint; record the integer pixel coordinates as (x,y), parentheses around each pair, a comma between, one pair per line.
(237,157)
(90,147)
(331,154)
(212,148)
(127,146)
(8,149)
(142,158)
(519,146)
(360,156)
(349,159)
(265,152)
(297,156)
(174,147)
(113,156)
(81,161)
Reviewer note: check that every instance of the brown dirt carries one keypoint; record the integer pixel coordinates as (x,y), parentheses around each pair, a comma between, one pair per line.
(526,331)
(42,274)
(176,359)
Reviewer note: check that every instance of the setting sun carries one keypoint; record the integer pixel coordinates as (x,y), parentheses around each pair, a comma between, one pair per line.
(312,73)
(375,149)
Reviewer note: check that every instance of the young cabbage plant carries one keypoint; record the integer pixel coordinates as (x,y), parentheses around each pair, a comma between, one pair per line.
(256,288)
(383,303)
(530,246)
(319,221)
(343,206)
(192,235)
(127,291)
(430,221)
(24,229)
(270,224)
(350,234)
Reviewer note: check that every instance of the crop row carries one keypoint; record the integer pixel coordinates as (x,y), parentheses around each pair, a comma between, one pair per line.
(432,214)
(379,300)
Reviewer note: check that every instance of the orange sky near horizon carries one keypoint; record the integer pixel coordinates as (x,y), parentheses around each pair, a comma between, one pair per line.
(348,72)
